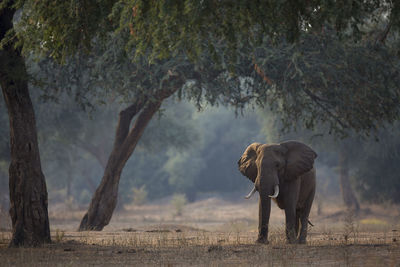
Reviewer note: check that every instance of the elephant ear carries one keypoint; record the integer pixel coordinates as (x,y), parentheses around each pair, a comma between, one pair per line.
(299,159)
(247,162)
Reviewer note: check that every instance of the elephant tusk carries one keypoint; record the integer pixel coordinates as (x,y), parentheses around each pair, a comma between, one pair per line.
(251,193)
(276,192)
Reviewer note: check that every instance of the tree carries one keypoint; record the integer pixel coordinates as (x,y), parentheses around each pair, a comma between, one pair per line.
(105,199)
(146,86)
(350,87)
(28,194)
(4,158)
(171,26)
(311,73)
(169,76)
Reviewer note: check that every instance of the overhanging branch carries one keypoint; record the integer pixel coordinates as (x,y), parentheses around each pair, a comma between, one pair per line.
(317,101)
(124,121)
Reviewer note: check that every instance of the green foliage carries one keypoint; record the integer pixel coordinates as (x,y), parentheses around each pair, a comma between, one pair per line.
(109,73)
(182,169)
(59,235)
(314,79)
(169,27)
(60,28)
(139,195)
(178,201)
(347,86)
(319,78)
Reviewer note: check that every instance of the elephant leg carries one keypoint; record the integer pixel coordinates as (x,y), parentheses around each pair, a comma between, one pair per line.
(290,225)
(303,230)
(291,198)
(297,223)
(304,219)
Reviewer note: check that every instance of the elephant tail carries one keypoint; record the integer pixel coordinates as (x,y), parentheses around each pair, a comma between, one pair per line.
(310,223)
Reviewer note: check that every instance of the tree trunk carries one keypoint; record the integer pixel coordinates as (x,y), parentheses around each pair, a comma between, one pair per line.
(28,193)
(105,198)
(348,195)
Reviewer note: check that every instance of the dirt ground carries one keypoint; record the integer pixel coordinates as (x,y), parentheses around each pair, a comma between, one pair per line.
(213,232)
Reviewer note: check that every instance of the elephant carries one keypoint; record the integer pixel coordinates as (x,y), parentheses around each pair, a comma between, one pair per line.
(284,172)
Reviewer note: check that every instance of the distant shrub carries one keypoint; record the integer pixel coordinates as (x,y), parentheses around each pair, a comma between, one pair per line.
(84,197)
(178,201)
(139,195)
(59,235)
(71,203)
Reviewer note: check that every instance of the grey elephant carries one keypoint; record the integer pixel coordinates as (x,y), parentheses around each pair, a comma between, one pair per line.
(284,172)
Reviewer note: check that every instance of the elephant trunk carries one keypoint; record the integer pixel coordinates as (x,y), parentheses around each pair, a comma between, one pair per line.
(263,220)
(262,184)
(268,184)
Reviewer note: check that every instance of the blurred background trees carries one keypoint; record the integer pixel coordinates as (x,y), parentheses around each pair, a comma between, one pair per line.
(195,153)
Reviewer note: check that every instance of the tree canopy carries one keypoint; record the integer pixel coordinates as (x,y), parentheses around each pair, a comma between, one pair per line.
(313,61)
(170,27)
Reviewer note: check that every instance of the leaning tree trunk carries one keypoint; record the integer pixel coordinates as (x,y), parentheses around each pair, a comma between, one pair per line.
(348,195)
(28,193)
(105,198)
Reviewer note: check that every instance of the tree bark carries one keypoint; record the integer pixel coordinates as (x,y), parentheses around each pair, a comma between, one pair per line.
(28,193)
(348,195)
(105,198)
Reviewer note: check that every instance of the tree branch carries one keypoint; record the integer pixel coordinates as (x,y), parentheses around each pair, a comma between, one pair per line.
(124,121)
(151,108)
(317,101)
(309,93)
(382,37)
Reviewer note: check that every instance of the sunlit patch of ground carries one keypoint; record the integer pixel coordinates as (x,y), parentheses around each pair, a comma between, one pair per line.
(215,232)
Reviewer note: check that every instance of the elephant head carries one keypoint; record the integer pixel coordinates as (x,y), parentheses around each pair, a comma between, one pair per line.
(266,165)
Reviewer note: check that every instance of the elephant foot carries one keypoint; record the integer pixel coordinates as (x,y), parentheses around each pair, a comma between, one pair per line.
(301,241)
(262,240)
(292,241)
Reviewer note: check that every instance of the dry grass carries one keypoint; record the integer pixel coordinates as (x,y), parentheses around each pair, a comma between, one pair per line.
(214,232)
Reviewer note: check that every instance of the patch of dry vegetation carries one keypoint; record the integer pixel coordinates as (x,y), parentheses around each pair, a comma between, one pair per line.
(173,246)
(217,233)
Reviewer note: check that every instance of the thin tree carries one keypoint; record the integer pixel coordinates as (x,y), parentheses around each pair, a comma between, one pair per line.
(105,198)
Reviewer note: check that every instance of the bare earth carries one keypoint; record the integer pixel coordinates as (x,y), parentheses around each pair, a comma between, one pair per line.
(212,232)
